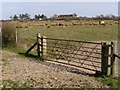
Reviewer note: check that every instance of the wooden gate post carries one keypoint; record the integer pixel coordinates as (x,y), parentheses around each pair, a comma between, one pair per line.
(104,62)
(38,44)
(44,46)
(41,47)
(112,65)
(114,61)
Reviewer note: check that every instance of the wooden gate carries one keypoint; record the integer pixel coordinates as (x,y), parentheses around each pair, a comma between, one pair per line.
(85,55)
(91,57)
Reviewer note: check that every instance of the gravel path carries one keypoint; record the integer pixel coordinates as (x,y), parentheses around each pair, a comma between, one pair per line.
(43,74)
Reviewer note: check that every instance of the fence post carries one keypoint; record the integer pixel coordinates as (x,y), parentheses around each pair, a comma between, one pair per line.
(16,36)
(41,46)
(38,44)
(44,45)
(104,62)
(112,65)
(114,61)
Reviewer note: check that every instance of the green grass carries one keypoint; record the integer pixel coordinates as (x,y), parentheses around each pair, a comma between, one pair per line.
(15,84)
(10,84)
(61,86)
(81,32)
(20,51)
(13,48)
(112,82)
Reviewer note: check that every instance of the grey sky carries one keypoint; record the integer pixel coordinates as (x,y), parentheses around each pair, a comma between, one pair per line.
(60,0)
(51,8)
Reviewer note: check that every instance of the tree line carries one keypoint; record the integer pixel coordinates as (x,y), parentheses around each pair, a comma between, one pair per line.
(27,17)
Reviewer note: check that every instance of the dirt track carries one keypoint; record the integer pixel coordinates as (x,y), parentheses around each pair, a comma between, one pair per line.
(33,73)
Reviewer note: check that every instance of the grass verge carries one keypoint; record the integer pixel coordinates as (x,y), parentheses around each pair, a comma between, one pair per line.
(21,52)
(109,81)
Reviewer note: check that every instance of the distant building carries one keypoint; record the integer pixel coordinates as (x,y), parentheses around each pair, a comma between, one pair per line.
(67,16)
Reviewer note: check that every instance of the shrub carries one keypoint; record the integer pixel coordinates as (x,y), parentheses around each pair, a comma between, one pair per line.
(8,33)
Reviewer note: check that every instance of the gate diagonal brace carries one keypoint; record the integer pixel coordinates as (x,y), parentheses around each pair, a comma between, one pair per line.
(76,51)
(63,50)
(85,59)
(89,56)
(68,56)
(31,48)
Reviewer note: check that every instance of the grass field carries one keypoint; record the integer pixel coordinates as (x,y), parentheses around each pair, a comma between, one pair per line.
(79,32)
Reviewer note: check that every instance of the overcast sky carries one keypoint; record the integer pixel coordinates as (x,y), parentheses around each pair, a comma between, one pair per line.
(59,0)
(89,9)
